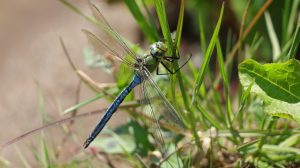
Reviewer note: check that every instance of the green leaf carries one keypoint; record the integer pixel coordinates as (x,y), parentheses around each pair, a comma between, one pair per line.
(282,109)
(279,81)
(173,161)
(277,84)
(139,135)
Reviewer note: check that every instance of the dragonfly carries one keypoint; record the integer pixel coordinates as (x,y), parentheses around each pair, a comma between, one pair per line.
(142,66)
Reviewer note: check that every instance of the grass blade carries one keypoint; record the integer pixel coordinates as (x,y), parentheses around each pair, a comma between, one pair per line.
(295,44)
(83,103)
(162,17)
(244,98)
(290,141)
(273,37)
(45,154)
(76,10)
(179,26)
(226,84)
(210,119)
(234,49)
(149,31)
(177,46)
(285,18)
(4,162)
(22,158)
(294,11)
(202,34)
(207,57)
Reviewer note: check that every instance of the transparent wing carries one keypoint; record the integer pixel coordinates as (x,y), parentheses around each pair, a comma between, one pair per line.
(153,121)
(99,44)
(159,109)
(116,41)
(166,111)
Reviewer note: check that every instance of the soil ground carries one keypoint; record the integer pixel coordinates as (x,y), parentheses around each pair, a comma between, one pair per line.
(31,58)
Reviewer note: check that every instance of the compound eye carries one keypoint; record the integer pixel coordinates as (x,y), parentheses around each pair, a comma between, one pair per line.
(155,51)
(152,47)
(158,44)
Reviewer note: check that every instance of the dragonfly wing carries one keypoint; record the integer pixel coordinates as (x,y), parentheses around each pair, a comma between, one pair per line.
(116,38)
(166,111)
(158,111)
(99,44)
(152,120)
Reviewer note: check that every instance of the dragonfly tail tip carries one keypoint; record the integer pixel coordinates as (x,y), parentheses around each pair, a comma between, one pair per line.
(87,143)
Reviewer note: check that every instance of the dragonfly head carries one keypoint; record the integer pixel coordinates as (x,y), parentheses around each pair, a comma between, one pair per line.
(158,49)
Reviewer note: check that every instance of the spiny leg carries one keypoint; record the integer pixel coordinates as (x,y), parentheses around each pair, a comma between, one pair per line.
(171,59)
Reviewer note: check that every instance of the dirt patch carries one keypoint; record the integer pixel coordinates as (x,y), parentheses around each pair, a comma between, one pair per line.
(31,58)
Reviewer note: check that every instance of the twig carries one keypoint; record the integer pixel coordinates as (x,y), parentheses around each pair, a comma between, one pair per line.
(59,122)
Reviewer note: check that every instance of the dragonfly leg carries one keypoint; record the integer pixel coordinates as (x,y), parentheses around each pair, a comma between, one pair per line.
(168,69)
(158,73)
(171,59)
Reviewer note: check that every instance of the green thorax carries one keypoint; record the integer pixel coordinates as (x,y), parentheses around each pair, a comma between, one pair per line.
(157,53)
